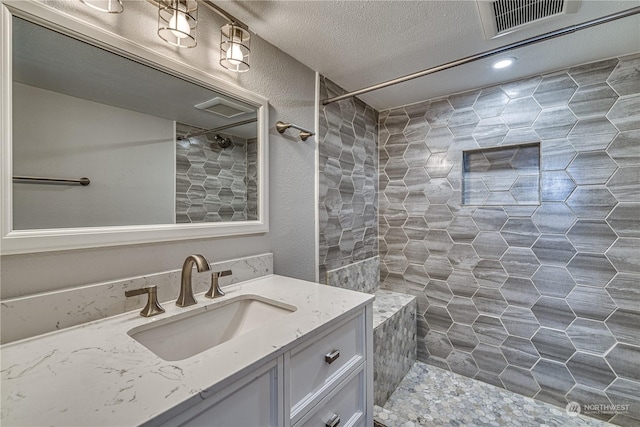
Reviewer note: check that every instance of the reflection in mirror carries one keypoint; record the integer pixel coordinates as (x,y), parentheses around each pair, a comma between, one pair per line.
(157,149)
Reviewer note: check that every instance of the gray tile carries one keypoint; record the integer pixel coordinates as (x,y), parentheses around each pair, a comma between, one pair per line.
(624,358)
(438,242)
(521,88)
(520,381)
(500,198)
(591,371)
(416,252)
(417,110)
(553,281)
(520,322)
(438,344)
(594,167)
(490,103)
(474,191)
(520,232)
(490,132)
(519,352)
(553,249)
(462,283)
(625,392)
(625,255)
(462,310)
(462,257)
(463,122)
(625,114)
(438,319)
(590,336)
(625,148)
(593,133)
(462,363)
(489,358)
(438,267)
(438,216)
(625,79)
(463,230)
(396,168)
(553,345)
(526,190)
(555,90)
(551,398)
(596,72)
(553,376)
(520,136)
(416,203)
(415,179)
(520,292)
(416,276)
(438,165)
(557,154)
(592,201)
(624,326)
(416,154)
(500,178)
(464,99)
(462,337)
(556,186)
(489,330)
(625,291)
(489,273)
(489,245)
(396,121)
(395,238)
(520,262)
(591,269)
(489,301)
(592,100)
(438,292)
(554,123)
(591,235)
(438,113)
(521,112)
(489,378)
(490,218)
(553,313)
(624,184)
(416,130)
(415,228)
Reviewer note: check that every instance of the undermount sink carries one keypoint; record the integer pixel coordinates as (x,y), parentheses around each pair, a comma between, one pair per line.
(185,335)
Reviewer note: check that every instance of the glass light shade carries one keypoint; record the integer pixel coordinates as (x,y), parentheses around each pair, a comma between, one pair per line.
(177,22)
(109,6)
(234,48)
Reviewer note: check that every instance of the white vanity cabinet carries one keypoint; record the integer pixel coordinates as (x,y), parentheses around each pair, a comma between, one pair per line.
(323,380)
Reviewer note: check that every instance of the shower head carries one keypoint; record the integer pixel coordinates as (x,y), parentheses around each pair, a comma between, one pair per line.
(223,142)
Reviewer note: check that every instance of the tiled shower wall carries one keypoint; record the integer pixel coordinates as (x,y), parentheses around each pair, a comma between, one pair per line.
(213,183)
(348,171)
(543,300)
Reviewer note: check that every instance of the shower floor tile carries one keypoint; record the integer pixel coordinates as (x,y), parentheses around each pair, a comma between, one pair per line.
(430,396)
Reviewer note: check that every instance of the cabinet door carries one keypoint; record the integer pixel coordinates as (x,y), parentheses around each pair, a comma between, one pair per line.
(251,401)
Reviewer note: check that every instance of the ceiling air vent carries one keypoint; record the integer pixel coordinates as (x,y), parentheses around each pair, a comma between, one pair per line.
(506,16)
(223,107)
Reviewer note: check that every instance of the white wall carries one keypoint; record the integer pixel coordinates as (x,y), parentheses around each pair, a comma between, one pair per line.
(289,86)
(128,157)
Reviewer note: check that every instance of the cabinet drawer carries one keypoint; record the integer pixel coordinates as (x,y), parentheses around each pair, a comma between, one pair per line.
(317,366)
(345,408)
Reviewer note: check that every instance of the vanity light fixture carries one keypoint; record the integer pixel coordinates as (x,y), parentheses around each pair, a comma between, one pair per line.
(109,6)
(235,48)
(177,22)
(503,63)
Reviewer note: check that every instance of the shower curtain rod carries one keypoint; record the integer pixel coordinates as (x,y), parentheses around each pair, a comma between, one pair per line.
(488,53)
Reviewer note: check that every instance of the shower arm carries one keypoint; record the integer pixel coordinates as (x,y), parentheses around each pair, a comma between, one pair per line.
(526,42)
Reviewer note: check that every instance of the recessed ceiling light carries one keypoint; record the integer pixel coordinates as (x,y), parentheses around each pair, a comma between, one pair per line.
(504,63)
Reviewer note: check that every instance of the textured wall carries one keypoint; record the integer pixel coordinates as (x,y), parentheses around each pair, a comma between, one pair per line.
(541,300)
(348,172)
(290,88)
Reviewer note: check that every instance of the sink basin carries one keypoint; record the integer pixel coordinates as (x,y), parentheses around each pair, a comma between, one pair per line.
(185,335)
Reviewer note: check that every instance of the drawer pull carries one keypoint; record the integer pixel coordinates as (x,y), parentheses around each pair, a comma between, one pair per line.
(334,421)
(331,357)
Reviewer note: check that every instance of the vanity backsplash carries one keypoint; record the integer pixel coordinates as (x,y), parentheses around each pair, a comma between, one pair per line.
(32,315)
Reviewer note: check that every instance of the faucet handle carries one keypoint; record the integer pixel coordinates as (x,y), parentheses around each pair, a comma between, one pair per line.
(153,307)
(214,290)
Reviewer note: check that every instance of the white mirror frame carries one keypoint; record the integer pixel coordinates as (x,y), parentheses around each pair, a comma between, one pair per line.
(43,240)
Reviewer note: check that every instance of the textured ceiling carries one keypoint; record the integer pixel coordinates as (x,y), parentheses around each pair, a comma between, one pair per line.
(360,43)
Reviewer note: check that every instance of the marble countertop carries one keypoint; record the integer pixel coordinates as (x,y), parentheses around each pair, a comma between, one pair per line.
(95,374)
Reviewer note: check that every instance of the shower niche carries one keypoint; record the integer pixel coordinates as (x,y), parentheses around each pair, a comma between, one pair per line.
(499,176)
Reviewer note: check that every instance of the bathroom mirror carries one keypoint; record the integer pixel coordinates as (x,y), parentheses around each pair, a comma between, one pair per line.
(106,142)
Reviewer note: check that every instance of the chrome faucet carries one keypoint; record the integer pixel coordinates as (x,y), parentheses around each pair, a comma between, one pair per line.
(186,297)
